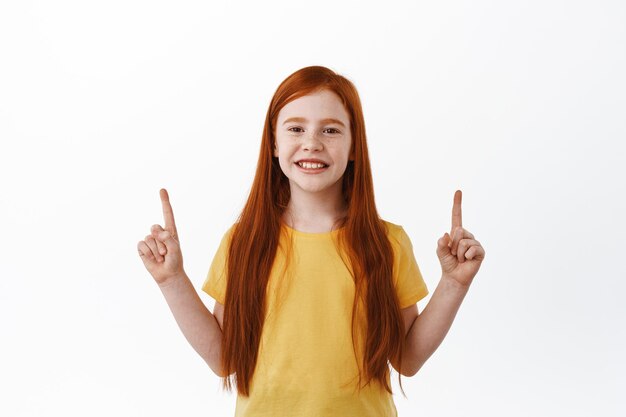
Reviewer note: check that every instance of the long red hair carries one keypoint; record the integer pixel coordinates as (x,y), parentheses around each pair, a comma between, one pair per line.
(363,237)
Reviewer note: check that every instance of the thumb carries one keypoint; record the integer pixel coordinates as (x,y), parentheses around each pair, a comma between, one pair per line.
(168,240)
(443,243)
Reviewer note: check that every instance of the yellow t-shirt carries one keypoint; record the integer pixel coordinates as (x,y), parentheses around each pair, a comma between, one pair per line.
(306,364)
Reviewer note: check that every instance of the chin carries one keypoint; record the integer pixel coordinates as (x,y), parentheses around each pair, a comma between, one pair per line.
(313,189)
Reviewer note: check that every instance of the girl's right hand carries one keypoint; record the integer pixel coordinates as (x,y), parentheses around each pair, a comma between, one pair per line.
(160,250)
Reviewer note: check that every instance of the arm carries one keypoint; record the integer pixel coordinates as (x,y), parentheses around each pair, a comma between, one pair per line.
(460,256)
(431,326)
(162,257)
(199,326)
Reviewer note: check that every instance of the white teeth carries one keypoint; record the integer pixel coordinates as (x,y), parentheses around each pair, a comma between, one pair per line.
(311,165)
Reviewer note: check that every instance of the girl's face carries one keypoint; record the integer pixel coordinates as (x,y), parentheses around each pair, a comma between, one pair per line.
(313,142)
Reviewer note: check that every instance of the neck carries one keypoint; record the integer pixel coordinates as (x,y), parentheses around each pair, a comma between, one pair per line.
(315,212)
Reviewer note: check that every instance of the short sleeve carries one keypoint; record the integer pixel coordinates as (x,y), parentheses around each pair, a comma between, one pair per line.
(410,285)
(216,279)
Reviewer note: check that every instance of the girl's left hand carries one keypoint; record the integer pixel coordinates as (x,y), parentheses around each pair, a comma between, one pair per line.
(460,255)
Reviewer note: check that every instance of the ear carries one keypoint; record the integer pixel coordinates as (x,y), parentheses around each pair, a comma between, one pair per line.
(275,151)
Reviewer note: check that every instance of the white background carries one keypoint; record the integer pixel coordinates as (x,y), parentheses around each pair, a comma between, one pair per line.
(521,105)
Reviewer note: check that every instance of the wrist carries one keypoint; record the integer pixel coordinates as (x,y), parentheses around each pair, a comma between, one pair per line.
(172,280)
(454,284)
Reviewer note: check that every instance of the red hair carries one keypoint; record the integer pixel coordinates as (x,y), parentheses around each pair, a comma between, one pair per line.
(363,236)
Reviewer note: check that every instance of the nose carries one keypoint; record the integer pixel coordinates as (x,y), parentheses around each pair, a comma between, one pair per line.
(312,143)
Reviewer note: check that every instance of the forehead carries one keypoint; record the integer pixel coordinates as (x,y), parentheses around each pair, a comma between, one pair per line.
(319,105)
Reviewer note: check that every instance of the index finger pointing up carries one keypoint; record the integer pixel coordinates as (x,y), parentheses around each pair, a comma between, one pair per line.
(456,211)
(168,214)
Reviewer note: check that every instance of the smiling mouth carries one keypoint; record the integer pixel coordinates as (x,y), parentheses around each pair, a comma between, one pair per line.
(311,167)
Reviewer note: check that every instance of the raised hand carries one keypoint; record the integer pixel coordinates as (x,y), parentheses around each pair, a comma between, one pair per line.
(459,253)
(160,250)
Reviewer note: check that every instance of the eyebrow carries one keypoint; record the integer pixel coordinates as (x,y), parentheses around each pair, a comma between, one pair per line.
(302,120)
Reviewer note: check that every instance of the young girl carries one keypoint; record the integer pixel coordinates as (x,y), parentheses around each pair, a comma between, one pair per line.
(315,294)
